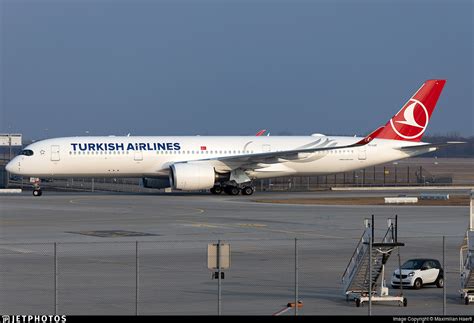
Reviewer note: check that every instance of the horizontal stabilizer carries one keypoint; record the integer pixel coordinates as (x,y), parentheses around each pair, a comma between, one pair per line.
(437,145)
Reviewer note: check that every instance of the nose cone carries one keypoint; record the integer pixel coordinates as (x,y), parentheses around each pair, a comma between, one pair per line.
(10,166)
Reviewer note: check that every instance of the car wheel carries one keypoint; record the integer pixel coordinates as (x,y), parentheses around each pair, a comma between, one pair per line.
(440,282)
(357,302)
(417,284)
(466,300)
(405,302)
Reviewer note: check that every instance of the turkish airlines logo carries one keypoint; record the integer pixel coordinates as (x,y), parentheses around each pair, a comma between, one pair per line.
(412,122)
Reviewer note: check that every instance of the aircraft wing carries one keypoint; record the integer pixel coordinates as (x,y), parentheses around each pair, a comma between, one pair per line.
(252,160)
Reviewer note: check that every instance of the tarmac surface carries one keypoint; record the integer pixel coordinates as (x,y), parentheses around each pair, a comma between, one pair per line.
(97,270)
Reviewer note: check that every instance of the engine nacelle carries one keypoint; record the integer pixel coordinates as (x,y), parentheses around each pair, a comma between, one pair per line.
(189,176)
(148,182)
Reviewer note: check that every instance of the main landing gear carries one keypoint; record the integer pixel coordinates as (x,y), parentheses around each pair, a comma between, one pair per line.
(232,189)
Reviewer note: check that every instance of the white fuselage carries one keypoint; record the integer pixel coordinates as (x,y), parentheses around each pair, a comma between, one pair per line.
(152,156)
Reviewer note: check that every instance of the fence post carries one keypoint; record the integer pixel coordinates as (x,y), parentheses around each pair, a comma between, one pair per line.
(296,276)
(370,272)
(444,276)
(219,277)
(55,279)
(137,281)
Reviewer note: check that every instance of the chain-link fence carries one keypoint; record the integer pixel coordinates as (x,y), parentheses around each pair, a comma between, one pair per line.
(374,176)
(157,277)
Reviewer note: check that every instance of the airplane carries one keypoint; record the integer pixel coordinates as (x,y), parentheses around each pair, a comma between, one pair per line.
(230,163)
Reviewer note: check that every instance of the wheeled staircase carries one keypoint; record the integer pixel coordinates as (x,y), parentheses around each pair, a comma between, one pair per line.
(356,278)
(466,258)
(467,267)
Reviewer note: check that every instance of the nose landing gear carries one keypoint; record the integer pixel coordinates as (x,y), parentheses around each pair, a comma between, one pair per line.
(36,186)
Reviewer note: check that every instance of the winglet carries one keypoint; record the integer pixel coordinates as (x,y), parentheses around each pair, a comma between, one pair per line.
(369,137)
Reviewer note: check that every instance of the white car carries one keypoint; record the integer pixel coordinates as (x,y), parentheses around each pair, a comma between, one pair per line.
(419,272)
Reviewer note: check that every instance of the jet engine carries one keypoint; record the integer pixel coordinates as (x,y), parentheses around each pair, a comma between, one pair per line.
(189,176)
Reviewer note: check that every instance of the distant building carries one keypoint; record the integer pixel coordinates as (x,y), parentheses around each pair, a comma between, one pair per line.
(10,145)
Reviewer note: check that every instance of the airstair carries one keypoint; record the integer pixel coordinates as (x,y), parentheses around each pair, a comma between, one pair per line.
(466,259)
(367,265)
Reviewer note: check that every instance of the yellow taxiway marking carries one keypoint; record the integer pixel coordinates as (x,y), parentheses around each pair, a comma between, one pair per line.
(251,225)
(256,226)
(194,210)
(15,249)
(203,225)
(81,199)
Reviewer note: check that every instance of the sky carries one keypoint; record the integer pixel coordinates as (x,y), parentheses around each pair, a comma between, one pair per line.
(223,67)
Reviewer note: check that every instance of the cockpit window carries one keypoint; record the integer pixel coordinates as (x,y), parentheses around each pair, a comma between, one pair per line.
(27,152)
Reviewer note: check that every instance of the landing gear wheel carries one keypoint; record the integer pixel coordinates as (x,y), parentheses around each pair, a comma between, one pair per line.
(37,192)
(405,302)
(216,190)
(247,190)
(232,190)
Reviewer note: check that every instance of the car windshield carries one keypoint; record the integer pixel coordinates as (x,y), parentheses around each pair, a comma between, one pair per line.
(413,264)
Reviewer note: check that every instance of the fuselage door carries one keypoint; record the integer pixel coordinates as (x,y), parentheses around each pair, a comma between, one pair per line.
(54,153)
(138,156)
(362,153)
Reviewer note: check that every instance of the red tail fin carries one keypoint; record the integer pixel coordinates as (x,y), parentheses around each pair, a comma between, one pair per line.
(411,121)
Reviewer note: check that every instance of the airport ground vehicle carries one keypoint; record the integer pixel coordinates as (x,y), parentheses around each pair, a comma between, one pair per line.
(419,272)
